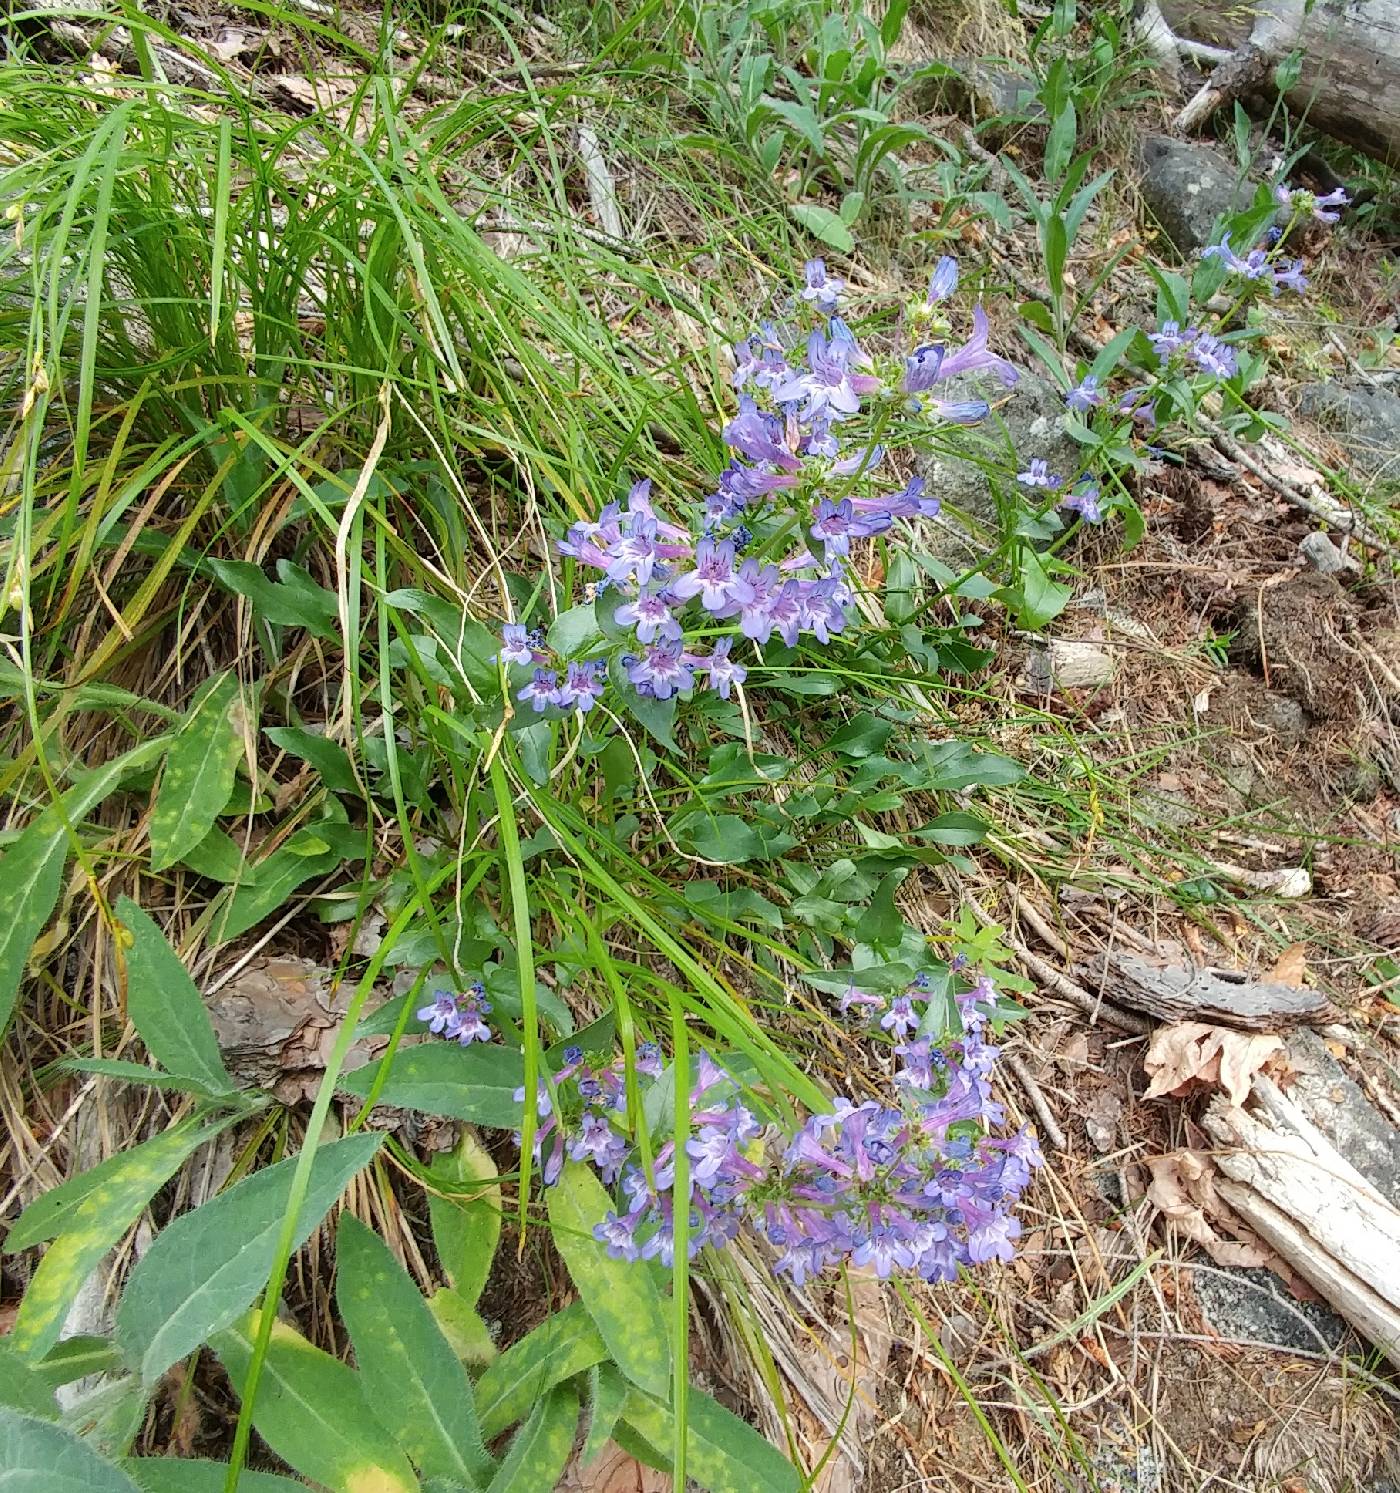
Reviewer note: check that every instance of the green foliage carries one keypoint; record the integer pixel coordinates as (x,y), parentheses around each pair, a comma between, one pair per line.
(467,1230)
(204,1269)
(540,1449)
(315,1413)
(623,1301)
(410,1374)
(37,1457)
(199,769)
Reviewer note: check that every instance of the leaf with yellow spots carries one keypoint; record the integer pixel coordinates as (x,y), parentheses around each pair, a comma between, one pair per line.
(412,1376)
(199,772)
(106,1207)
(540,1449)
(622,1300)
(312,1411)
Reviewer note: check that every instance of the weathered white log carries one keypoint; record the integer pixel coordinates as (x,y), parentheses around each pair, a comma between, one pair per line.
(1349,86)
(1302,1196)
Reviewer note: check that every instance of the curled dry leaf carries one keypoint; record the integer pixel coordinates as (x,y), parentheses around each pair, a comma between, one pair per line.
(1183,1190)
(1190,1052)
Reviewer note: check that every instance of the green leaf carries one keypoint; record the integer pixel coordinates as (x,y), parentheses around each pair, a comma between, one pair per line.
(1038,598)
(799,118)
(199,772)
(23,1387)
(607,1398)
(862,736)
(730,840)
(540,1449)
(954,765)
(31,870)
(463,1327)
(623,1301)
(308,853)
(466,1233)
(732,904)
(296,602)
(185,1475)
(824,224)
(1055,248)
(412,1377)
(36,1457)
(166,1008)
(204,1269)
(314,1413)
(151,1078)
(77,1357)
(108,1416)
(954,829)
(722,1453)
(573,632)
(31,873)
(1059,144)
(475,1083)
(562,1345)
(87,1229)
(328,757)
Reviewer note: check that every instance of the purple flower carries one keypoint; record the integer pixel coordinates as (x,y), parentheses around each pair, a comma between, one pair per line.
(961,411)
(583,686)
(835,525)
(441,1014)
(1137,404)
(662,670)
(831,385)
(649,1060)
(650,616)
(542,691)
(1336,198)
(917,1060)
(713,579)
(619,1235)
(944,280)
(723,672)
(1213,355)
(974,357)
(471,1025)
(823,290)
(899,1020)
(1171,339)
(599,1143)
(1290,276)
(923,369)
(1038,474)
(1254,265)
(783,614)
(823,606)
(1085,395)
(518,644)
(861,999)
(1084,500)
(758,436)
(884,1249)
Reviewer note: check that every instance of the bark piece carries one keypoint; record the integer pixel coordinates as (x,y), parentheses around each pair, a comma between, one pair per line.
(1175,992)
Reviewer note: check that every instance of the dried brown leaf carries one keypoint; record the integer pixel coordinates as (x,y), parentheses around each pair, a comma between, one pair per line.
(1191,1052)
(1291,966)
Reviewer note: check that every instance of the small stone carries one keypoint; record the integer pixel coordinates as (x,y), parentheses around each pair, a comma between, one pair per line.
(1188,188)
(1284,716)
(1319,551)
(1066,663)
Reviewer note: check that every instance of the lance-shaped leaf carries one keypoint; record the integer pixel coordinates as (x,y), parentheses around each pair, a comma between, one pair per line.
(722,1453)
(166,1008)
(37,1457)
(204,1269)
(541,1447)
(186,1475)
(414,1380)
(199,771)
(466,1232)
(561,1346)
(88,1228)
(475,1083)
(313,1412)
(622,1300)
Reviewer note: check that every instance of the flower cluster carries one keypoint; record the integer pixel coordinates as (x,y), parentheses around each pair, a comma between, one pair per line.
(766,556)
(915,1182)
(1259,265)
(1298,203)
(461,1017)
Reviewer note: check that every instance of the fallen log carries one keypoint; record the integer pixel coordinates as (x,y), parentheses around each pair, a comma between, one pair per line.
(1307,1202)
(1349,83)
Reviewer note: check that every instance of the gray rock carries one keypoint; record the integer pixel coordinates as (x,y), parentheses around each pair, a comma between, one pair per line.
(1364,421)
(1028,424)
(1069,663)
(1284,716)
(1339,1109)
(1319,551)
(1187,187)
(1255,1306)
